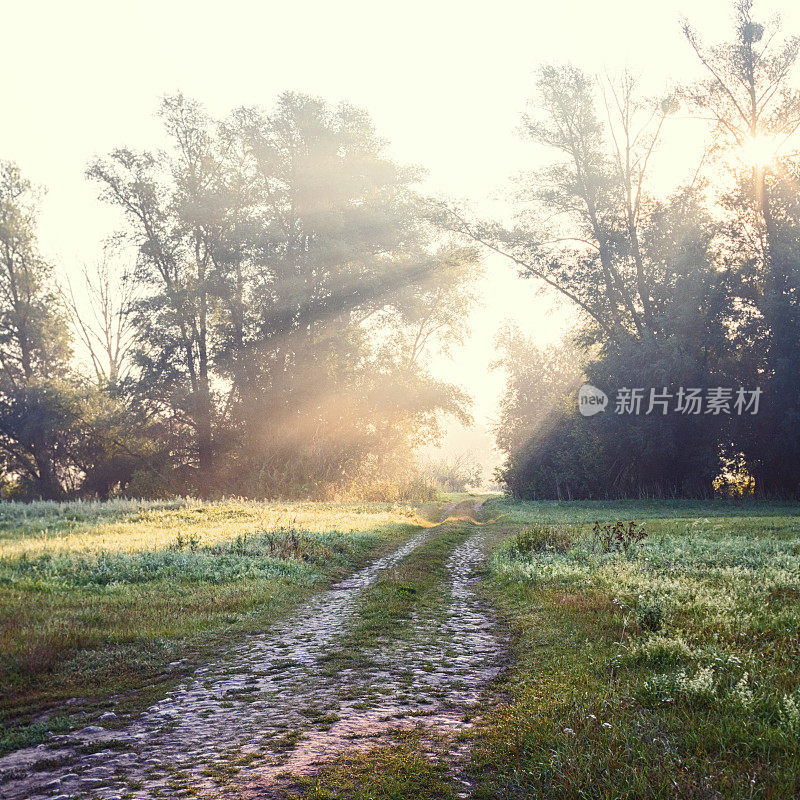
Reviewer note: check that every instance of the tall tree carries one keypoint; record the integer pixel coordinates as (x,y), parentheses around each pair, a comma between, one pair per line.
(35,403)
(341,267)
(287,266)
(756,112)
(580,230)
(639,269)
(101,311)
(175,205)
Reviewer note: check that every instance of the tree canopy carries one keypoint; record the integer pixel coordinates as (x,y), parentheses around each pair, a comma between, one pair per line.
(273,334)
(697,289)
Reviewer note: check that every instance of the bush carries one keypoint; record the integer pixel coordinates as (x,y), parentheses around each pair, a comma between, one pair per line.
(651,615)
(453,474)
(407,490)
(541,538)
(617,536)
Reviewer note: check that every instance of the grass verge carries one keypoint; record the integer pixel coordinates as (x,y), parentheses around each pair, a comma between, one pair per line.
(417,586)
(393,772)
(669,668)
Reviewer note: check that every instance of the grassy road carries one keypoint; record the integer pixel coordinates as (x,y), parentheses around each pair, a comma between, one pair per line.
(106,606)
(386,664)
(510,650)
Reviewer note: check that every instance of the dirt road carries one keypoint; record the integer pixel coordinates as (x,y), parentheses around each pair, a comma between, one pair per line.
(313,686)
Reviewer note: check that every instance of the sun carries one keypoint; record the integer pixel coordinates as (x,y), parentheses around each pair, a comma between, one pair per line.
(760,150)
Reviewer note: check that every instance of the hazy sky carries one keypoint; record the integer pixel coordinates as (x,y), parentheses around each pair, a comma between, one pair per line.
(445,83)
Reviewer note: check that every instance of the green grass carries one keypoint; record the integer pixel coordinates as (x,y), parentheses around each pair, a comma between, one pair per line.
(671,669)
(416,586)
(395,772)
(99,600)
(587,511)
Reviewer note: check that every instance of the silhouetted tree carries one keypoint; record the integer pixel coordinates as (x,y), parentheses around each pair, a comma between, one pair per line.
(756,113)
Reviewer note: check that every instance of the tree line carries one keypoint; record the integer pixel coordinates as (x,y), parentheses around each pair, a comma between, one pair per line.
(698,289)
(271,336)
(288,284)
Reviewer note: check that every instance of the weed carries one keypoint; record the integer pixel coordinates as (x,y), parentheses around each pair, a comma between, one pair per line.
(651,615)
(399,771)
(617,536)
(540,538)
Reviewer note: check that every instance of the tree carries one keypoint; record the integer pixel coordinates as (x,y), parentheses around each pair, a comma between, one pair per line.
(579,233)
(756,113)
(537,423)
(342,292)
(175,205)
(291,288)
(36,404)
(642,272)
(103,321)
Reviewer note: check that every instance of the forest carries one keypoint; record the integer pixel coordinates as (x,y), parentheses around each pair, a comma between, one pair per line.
(262,323)
(437,443)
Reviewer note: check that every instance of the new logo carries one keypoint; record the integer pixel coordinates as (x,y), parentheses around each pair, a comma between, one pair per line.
(591,400)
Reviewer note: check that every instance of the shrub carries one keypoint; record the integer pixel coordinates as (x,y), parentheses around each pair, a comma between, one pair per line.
(617,537)
(453,474)
(414,489)
(651,615)
(541,538)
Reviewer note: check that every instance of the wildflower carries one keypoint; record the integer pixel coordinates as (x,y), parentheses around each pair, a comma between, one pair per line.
(701,684)
(743,693)
(790,711)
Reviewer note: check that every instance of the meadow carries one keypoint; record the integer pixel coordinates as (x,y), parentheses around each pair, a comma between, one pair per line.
(108,604)
(657,658)
(660,664)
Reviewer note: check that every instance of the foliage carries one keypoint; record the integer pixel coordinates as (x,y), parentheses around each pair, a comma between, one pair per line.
(670,292)
(602,705)
(651,615)
(618,536)
(36,398)
(292,291)
(273,337)
(539,538)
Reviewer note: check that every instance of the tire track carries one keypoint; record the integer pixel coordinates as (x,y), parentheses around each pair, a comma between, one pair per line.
(271,706)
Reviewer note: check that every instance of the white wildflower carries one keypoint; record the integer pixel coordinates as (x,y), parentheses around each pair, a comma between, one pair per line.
(743,692)
(701,684)
(790,712)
